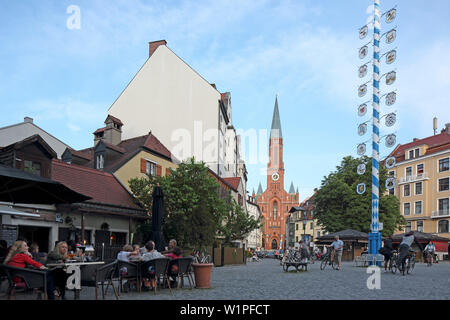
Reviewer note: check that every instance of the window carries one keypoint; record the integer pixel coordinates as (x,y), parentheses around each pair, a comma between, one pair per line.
(406,209)
(296,239)
(443,226)
(408,226)
(296,226)
(411,154)
(417,152)
(312,213)
(420,169)
(418,207)
(150,168)
(443,207)
(418,187)
(100,161)
(443,184)
(275,208)
(318,233)
(312,225)
(406,190)
(420,226)
(391,173)
(32,167)
(444,164)
(408,171)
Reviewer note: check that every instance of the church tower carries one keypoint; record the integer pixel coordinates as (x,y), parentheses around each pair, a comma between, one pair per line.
(275,202)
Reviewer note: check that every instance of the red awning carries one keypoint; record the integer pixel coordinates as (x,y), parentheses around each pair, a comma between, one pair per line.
(441,246)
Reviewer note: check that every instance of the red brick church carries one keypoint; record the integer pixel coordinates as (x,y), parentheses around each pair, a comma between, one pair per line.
(275,202)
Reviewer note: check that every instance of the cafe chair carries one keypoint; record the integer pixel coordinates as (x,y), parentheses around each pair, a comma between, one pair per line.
(184,270)
(31,280)
(132,274)
(160,266)
(95,275)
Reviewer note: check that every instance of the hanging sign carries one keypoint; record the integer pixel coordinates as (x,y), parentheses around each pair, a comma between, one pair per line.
(363,71)
(361,188)
(390,98)
(363,32)
(390,56)
(390,140)
(390,16)
(361,169)
(390,162)
(390,77)
(363,52)
(390,37)
(391,118)
(362,129)
(362,109)
(390,183)
(361,149)
(362,90)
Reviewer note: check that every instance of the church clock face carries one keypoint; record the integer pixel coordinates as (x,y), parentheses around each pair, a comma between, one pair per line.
(275,176)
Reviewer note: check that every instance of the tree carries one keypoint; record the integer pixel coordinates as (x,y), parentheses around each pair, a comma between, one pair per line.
(196,213)
(338,206)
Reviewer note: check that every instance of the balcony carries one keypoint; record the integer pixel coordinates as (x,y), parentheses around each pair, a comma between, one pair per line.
(413,178)
(440,214)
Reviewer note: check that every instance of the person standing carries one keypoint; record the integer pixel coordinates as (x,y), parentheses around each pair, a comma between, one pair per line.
(338,247)
(387,251)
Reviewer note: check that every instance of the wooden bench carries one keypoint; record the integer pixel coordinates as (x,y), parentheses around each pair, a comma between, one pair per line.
(297,265)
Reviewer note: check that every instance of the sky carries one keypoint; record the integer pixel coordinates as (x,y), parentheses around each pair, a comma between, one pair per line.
(66,73)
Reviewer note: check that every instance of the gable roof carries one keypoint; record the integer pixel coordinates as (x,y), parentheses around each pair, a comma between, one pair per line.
(435,143)
(233,182)
(102,187)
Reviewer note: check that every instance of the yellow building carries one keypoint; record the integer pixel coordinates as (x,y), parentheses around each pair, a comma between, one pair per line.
(422,174)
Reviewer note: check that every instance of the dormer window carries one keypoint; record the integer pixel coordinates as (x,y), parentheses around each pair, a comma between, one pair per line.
(100,161)
(417,152)
(411,154)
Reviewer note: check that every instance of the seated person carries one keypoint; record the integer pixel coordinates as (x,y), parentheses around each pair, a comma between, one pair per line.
(173,272)
(150,254)
(59,255)
(18,256)
(126,255)
(172,244)
(38,256)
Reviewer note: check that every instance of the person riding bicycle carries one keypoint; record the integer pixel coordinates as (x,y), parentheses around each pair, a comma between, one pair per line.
(338,247)
(386,251)
(403,249)
(430,249)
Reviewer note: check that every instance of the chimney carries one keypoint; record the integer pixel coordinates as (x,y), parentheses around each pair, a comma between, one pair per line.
(28,120)
(113,130)
(447,128)
(154,45)
(415,139)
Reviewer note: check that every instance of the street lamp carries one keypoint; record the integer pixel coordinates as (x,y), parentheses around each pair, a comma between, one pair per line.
(304,226)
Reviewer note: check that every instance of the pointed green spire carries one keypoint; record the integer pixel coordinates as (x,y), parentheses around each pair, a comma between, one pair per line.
(275,131)
(260,190)
(291,189)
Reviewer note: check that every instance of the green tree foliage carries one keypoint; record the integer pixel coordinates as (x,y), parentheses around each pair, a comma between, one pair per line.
(196,211)
(338,206)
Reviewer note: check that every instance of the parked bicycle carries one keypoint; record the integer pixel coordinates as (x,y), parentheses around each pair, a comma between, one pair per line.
(329,260)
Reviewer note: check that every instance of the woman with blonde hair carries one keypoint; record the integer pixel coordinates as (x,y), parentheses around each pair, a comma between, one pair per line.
(59,255)
(20,257)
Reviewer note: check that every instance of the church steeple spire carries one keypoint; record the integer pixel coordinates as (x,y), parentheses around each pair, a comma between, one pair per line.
(275,131)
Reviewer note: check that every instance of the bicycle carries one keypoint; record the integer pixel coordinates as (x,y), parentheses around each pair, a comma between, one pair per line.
(392,264)
(408,263)
(429,258)
(327,260)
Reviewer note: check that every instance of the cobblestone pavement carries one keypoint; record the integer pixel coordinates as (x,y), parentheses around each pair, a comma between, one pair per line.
(266,280)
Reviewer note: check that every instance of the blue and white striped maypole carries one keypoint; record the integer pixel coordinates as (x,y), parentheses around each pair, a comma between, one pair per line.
(375,235)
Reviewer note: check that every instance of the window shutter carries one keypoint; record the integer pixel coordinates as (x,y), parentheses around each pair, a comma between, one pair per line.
(167,172)
(143,165)
(158,170)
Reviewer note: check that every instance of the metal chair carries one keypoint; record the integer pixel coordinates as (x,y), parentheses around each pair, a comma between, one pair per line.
(132,274)
(31,279)
(184,270)
(95,275)
(160,267)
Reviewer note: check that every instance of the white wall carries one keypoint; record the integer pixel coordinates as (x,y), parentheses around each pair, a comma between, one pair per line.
(169,98)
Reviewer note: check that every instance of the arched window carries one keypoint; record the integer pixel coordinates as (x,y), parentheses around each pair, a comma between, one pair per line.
(274,244)
(443,226)
(275,210)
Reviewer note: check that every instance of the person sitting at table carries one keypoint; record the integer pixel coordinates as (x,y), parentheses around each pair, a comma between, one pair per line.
(172,244)
(151,253)
(136,256)
(18,256)
(59,255)
(173,271)
(38,256)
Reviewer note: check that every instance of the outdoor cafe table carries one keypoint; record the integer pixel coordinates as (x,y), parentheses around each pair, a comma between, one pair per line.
(73,269)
